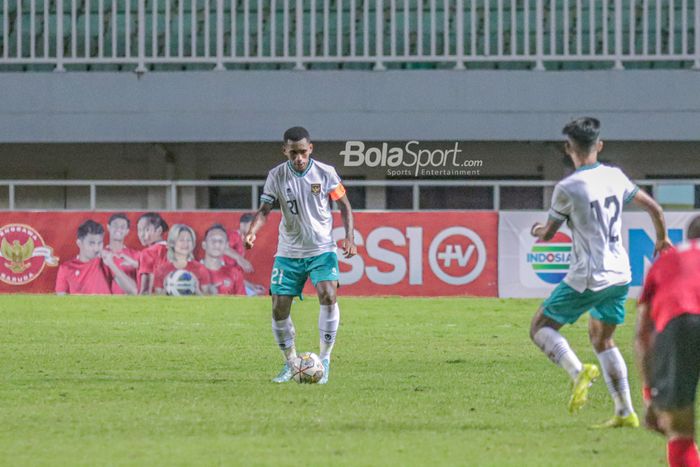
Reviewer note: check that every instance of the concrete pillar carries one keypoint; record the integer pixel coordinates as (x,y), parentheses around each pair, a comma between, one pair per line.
(185,168)
(156,171)
(554,169)
(375,197)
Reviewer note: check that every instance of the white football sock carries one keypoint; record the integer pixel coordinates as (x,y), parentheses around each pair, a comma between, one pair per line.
(615,374)
(328,320)
(555,346)
(285,333)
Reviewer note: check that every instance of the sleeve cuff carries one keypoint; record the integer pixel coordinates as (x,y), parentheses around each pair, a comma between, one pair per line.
(556,215)
(631,196)
(267,199)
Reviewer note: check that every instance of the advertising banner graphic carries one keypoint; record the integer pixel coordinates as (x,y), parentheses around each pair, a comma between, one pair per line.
(32,244)
(399,253)
(422,254)
(530,268)
(24,254)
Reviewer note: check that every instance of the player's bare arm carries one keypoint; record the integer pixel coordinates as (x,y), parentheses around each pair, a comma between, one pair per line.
(146,280)
(242,262)
(122,279)
(647,203)
(257,224)
(545,231)
(348,243)
(128,260)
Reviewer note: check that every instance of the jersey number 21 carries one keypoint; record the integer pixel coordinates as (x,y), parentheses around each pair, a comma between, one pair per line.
(293,207)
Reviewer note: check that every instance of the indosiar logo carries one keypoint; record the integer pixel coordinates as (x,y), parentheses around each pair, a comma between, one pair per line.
(550,259)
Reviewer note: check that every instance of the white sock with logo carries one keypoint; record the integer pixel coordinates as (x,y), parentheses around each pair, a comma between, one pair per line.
(285,333)
(328,320)
(615,374)
(555,346)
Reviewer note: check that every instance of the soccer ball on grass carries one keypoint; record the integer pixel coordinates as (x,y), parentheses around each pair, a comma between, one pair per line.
(307,368)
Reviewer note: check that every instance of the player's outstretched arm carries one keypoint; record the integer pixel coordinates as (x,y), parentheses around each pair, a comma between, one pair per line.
(348,244)
(648,203)
(546,231)
(257,224)
(242,262)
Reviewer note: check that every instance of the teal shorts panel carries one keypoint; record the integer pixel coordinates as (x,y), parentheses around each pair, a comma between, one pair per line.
(290,274)
(565,305)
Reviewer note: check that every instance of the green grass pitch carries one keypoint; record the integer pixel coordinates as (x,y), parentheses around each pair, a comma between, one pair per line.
(166,381)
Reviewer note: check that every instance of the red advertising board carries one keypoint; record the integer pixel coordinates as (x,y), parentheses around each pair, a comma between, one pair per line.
(409,254)
(422,254)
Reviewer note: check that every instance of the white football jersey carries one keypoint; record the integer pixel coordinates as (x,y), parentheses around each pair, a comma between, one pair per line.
(590,201)
(306,225)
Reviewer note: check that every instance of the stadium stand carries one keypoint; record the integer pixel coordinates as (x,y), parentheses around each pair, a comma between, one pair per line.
(113,35)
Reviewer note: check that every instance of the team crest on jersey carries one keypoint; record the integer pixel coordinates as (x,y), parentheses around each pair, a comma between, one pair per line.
(316,188)
(23,254)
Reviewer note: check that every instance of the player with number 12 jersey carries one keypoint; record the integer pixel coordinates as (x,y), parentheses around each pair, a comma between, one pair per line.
(590,201)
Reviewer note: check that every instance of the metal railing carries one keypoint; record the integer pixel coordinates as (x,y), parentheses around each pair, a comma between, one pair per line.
(171,188)
(221,33)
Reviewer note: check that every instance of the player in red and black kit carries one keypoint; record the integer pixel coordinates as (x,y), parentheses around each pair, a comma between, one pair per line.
(668,346)
(150,228)
(180,249)
(226,279)
(93,271)
(126,259)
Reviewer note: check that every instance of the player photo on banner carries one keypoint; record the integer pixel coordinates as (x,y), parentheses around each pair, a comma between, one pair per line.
(410,254)
(531,268)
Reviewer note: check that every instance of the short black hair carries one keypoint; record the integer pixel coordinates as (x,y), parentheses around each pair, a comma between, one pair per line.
(155,220)
(247,217)
(584,132)
(694,228)
(215,227)
(296,133)
(89,227)
(119,215)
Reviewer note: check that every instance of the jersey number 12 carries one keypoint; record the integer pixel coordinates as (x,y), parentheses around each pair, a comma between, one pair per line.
(599,214)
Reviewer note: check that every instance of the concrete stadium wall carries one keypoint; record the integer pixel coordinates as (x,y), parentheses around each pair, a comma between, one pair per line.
(648,105)
(204,125)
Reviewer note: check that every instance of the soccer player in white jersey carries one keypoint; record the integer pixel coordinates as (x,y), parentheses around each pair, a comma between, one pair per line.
(304,189)
(590,201)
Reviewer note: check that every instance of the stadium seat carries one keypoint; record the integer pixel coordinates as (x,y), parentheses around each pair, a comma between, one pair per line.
(262,13)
